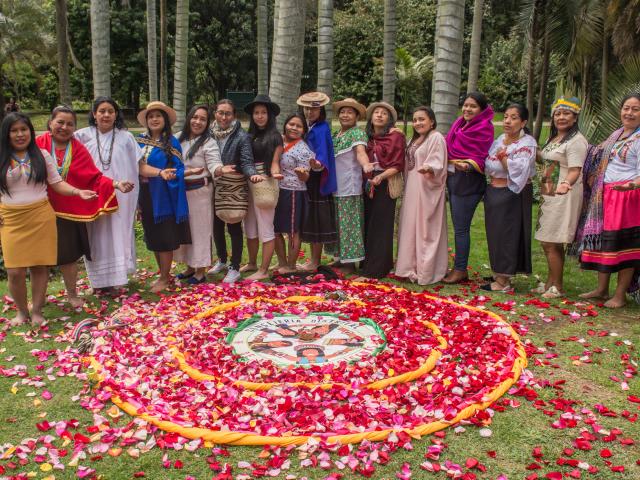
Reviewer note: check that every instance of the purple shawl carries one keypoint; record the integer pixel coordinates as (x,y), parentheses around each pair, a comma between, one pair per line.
(471,140)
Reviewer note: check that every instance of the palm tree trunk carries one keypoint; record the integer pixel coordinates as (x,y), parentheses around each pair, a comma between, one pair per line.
(531,56)
(604,88)
(152,51)
(448,62)
(181,61)
(64,86)
(544,77)
(164,81)
(389,62)
(286,65)
(325,49)
(476,44)
(276,12)
(262,21)
(100,55)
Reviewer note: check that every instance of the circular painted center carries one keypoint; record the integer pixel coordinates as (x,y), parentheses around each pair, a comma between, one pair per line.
(314,339)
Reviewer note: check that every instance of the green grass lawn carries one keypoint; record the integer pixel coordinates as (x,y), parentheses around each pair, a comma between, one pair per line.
(576,360)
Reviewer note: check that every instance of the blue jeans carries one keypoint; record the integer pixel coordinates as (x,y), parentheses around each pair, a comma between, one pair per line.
(462,210)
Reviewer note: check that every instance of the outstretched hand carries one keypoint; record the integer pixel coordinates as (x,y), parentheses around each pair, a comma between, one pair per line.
(256,178)
(625,187)
(87,194)
(125,186)
(189,172)
(168,174)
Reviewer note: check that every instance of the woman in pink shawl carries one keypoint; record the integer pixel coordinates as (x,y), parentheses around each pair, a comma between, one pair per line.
(468,143)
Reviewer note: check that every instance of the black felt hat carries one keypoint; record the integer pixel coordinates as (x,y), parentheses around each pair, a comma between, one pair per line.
(262,100)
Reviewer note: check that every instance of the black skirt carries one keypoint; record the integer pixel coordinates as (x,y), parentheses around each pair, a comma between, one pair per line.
(319,225)
(290,211)
(379,223)
(165,236)
(73,241)
(507,218)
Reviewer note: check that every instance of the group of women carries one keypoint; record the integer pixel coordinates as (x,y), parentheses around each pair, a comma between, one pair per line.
(337,192)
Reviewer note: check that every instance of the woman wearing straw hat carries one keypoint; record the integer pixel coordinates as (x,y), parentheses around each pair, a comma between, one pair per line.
(349,145)
(266,144)
(163,202)
(386,148)
(319,226)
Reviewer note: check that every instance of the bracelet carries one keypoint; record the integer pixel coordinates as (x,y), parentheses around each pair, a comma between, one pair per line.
(566,182)
(116,184)
(159,173)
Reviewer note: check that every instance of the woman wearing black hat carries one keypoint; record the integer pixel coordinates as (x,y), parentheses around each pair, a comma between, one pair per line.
(266,143)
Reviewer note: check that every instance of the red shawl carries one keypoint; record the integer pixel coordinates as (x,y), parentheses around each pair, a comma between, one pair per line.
(471,141)
(82,174)
(388,150)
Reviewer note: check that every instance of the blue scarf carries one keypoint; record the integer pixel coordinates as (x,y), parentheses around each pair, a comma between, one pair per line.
(320,142)
(169,199)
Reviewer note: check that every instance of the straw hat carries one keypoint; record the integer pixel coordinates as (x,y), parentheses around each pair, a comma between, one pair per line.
(389,108)
(157,105)
(313,99)
(350,102)
(263,100)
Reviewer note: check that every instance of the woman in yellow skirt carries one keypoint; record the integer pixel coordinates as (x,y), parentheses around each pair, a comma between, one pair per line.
(27,222)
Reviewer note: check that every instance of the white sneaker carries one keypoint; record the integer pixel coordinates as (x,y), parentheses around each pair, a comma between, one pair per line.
(217,268)
(232,276)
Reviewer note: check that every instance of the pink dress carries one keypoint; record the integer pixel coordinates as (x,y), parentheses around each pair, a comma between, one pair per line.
(422,238)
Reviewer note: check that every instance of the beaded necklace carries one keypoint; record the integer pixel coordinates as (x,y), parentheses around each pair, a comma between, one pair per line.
(105,165)
(63,169)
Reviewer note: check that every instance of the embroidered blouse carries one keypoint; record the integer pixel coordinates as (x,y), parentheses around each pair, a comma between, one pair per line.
(294,155)
(624,162)
(521,161)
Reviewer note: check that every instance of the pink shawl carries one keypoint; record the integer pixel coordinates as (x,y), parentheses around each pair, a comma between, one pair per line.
(470,141)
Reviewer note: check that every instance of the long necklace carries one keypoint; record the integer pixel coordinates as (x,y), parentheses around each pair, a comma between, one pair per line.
(63,169)
(105,165)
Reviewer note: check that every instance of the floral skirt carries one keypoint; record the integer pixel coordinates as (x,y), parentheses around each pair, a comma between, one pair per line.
(350,219)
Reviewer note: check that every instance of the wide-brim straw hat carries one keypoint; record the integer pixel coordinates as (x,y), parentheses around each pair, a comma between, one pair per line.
(386,105)
(313,99)
(263,100)
(350,102)
(156,105)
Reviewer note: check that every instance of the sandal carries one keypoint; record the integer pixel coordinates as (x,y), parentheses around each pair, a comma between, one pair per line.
(184,276)
(489,287)
(553,292)
(540,289)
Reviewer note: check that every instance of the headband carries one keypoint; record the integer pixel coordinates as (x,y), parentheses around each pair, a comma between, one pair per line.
(566,104)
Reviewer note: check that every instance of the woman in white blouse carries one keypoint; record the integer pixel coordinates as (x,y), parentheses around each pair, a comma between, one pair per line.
(199,151)
(508,200)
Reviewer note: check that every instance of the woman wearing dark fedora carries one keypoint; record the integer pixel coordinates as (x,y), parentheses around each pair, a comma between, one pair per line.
(266,144)
(385,148)
(163,199)
(319,226)
(349,145)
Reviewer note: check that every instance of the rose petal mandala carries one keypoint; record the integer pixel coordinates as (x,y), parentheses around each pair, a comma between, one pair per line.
(340,361)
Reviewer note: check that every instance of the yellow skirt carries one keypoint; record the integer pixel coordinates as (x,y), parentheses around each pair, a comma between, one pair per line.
(28,235)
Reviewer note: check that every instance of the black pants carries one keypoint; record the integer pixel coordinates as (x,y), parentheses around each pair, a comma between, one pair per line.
(235,232)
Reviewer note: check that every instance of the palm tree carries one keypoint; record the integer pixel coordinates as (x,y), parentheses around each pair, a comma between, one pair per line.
(164,82)
(476,44)
(448,61)
(389,52)
(286,66)
(325,46)
(181,61)
(411,74)
(152,51)
(276,12)
(64,86)
(100,46)
(262,21)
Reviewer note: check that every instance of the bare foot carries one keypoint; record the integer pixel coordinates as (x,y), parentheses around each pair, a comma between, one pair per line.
(19,319)
(285,270)
(308,267)
(257,276)
(249,267)
(37,320)
(597,294)
(615,302)
(159,285)
(75,302)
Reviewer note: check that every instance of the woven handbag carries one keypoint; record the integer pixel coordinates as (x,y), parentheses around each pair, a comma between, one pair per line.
(231,198)
(396,185)
(265,193)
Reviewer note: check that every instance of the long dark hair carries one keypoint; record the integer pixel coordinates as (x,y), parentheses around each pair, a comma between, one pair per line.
(553,131)
(480,98)
(165,137)
(432,117)
(186,129)
(299,116)
(264,141)
(62,109)
(387,128)
(523,113)
(38,171)
(321,118)
(119,122)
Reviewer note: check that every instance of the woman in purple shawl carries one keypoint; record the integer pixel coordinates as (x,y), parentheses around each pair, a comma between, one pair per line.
(468,143)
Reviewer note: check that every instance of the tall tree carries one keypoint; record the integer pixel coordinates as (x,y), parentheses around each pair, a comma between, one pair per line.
(325,46)
(262,22)
(476,44)
(448,62)
(64,87)
(276,13)
(286,65)
(181,61)
(152,51)
(389,69)
(100,48)
(164,80)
